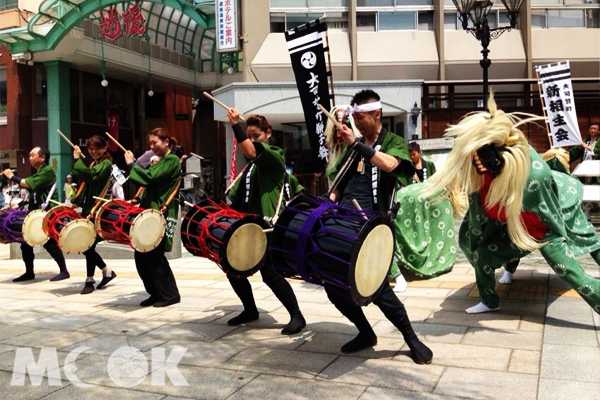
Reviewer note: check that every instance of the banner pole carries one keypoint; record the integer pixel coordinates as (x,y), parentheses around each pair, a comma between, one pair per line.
(329,61)
(537,74)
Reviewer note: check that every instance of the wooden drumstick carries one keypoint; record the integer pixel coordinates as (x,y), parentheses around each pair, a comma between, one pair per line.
(116,142)
(102,199)
(219,102)
(68,141)
(187,203)
(59,203)
(359,209)
(268,230)
(331,117)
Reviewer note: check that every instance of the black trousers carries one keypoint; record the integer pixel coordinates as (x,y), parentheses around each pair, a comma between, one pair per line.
(277,283)
(93,259)
(156,274)
(51,247)
(392,308)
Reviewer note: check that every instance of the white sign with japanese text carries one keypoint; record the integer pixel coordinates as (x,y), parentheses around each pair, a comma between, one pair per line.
(559,102)
(227,26)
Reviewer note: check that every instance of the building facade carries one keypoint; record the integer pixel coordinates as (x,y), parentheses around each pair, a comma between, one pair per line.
(56,58)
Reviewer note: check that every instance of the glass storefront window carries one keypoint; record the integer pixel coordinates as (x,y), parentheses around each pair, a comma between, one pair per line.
(94,99)
(394,21)
(41,93)
(3,92)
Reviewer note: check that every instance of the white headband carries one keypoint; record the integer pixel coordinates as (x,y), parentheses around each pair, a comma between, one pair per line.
(367,107)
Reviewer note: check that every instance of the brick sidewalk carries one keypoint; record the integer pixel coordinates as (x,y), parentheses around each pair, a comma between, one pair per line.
(544,343)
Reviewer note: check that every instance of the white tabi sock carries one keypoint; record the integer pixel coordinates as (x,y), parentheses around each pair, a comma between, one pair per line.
(506,278)
(401,284)
(480,308)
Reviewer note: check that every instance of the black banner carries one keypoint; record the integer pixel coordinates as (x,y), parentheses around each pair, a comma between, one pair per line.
(305,45)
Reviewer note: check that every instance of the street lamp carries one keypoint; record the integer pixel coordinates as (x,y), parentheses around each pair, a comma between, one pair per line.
(477,11)
(414,113)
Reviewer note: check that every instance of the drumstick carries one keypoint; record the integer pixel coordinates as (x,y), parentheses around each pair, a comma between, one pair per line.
(116,142)
(68,141)
(187,203)
(331,117)
(268,230)
(359,209)
(219,102)
(101,198)
(59,203)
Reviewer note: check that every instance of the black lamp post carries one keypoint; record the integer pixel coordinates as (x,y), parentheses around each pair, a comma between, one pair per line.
(477,11)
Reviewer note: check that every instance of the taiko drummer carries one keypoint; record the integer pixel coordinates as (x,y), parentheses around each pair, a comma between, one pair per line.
(159,180)
(258,190)
(96,178)
(381,159)
(39,186)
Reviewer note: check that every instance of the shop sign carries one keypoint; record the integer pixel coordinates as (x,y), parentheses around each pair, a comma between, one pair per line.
(227,36)
(113,130)
(112,28)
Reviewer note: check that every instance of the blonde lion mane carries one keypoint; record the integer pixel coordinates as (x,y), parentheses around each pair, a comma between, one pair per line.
(560,154)
(337,149)
(461,179)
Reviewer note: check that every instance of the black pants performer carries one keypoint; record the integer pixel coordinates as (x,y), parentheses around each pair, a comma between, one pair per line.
(277,283)
(156,274)
(388,303)
(93,259)
(51,247)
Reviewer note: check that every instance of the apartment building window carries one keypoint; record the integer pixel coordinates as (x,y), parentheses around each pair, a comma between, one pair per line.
(496,18)
(366,22)
(393,3)
(565,18)
(392,21)
(8,4)
(308,3)
(3,93)
(280,22)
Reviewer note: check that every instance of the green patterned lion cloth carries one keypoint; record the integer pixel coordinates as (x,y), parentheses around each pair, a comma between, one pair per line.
(424,229)
(555,198)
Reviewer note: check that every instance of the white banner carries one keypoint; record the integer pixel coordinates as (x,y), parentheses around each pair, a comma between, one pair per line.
(227,26)
(559,103)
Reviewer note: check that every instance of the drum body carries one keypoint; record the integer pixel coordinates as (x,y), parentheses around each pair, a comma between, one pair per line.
(73,233)
(120,221)
(349,250)
(235,241)
(11,225)
(33,231)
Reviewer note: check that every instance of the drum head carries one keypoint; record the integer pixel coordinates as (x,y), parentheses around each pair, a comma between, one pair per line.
(77,236)
(247,247)
(32,228)
(374,259)
(148,230)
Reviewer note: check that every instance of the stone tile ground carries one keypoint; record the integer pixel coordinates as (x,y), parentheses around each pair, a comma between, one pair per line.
(543,344)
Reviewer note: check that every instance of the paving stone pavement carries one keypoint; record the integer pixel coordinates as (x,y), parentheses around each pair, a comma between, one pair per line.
(544,343)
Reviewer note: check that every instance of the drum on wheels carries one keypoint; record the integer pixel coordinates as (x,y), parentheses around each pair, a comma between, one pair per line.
(73,233)
(123,222)
(11,225)
(33,231)
(233,240)
(348,249)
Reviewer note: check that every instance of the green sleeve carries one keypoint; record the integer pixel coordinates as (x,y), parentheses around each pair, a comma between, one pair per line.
(396,147)
(161,172)
(98,173)
(576,152)
(597,149)
(268,157)
(44,177)
(430,168)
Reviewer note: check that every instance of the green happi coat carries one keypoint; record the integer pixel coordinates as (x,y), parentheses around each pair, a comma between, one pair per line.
(555,198)
(425,243)
(392,145)
(39,186)
(264,175)
(160,180)
(96,178)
